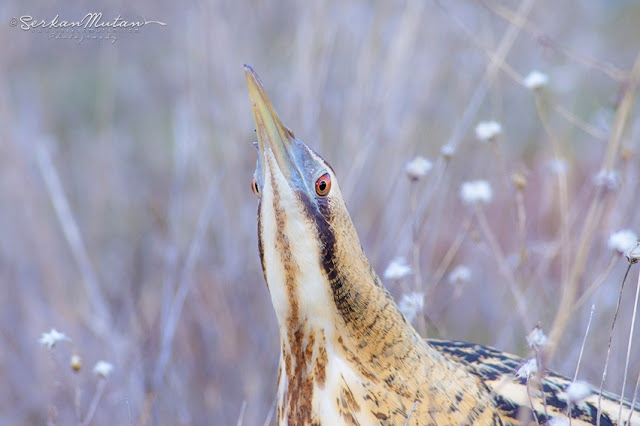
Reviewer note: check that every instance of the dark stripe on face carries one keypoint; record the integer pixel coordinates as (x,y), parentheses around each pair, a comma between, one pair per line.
(322,217)
(261,244)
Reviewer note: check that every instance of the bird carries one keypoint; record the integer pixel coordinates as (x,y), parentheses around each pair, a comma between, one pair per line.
(347,354)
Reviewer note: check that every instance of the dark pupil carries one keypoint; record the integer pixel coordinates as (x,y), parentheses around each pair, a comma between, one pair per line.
(322,185)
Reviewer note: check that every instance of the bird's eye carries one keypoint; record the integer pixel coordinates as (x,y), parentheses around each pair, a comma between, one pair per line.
(323,185)
(254,187)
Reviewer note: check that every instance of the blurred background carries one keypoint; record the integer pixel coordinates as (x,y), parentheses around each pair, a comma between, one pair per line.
(127,221)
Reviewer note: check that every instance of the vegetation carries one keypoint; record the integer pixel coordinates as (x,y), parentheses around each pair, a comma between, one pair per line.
(128,222)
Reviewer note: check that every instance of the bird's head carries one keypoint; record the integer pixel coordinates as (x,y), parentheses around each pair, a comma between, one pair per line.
(304,228)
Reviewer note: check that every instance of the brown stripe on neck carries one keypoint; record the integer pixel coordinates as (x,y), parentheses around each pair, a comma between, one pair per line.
(282,247)
(296,360)
(261,244)
(343,296)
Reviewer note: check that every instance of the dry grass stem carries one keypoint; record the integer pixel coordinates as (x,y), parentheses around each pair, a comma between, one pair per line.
(505,45)
(450,255)
(102,384)
(629,343)
(606,362)
(595,285)
(270,413)
(580,124)
(100,317)
(547,41)
(584,341)
(186,280)
(127,220)
(241,416)
(505,269)
(594,215)
(413,407)
(415,252)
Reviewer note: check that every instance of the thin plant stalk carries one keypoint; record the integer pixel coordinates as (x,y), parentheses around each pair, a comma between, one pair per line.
(626,363)
(100,318)
(596,283)
(606,362)
(584,341)
(450,255)
(635,393)
(594,215)
(503,265)
(186,280)
(413,407)
(102,384)
(415,250)
(272,410)
(242,411)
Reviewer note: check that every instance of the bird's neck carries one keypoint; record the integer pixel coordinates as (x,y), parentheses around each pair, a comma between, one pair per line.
(343,336)
(320,280)
(341,332)
(368,318)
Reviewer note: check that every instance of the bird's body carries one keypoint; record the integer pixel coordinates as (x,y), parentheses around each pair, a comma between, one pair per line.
(348,356)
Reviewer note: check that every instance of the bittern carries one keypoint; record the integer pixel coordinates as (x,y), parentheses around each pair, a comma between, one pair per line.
(348,355)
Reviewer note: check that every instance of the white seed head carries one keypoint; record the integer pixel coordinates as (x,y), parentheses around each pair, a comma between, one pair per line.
(536,338)
(398,268)
(51,338)
(558,421)
(623,241)
(536,80)
(418,167)
(609,179)
(527,369)
(488,130)
(633,254)
(558,166)
(460,274)
(103,369)
(447,151)
(576,392)
(478,191)
(410,304)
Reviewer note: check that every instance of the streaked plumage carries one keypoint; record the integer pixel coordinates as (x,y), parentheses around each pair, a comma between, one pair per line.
(348,356)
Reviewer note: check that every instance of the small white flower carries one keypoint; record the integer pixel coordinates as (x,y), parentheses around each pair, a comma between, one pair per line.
(418,167)
(478,191)
(528,369)
(536,80)
(575,392)
(398,268)
(461,274)
(488,130)
(536,338)
(609,179)
(51,338)
(447,151)
(558,421)
(103,369)
(558,166)
(623,241)
(410,304)
(633,254)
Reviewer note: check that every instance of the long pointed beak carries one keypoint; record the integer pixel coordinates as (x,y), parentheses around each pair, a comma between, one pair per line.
(271,132)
